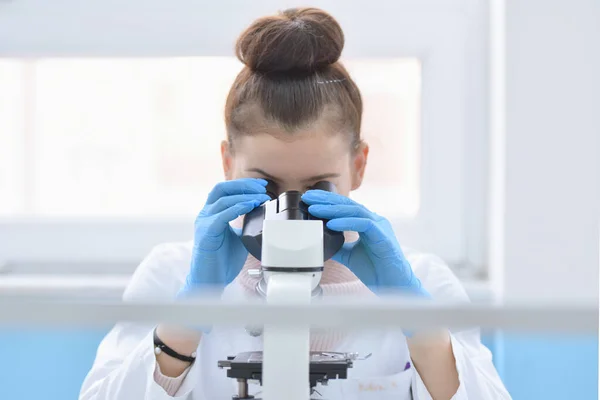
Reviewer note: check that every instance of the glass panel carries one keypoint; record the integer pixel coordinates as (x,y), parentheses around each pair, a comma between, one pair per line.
(129,137)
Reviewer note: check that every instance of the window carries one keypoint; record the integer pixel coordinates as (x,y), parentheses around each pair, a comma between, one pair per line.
(140,137)
(111,115)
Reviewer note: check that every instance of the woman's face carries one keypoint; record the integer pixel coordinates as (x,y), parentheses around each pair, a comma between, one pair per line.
(296,162)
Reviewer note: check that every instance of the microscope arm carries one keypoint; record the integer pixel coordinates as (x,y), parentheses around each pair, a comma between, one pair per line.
(287,348)
(292,263)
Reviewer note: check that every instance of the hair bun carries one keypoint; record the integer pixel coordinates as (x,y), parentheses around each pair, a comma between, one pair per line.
(296,40)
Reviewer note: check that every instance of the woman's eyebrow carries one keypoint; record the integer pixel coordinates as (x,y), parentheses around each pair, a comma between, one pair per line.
(263,173)
(315,178)
(323,177)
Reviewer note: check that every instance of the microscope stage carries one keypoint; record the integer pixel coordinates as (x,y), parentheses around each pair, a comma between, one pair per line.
(323,366)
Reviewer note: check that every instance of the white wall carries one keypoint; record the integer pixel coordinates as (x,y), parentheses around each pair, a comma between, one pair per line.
(551,181)
(445,34)
(477,142)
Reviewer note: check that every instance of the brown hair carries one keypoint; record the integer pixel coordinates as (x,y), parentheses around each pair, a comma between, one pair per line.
(292,77)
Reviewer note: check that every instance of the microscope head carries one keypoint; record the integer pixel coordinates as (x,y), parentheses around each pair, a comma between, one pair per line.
(286,206)
(291,244)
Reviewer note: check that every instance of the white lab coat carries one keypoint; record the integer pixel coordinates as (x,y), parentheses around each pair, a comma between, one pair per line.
(125,362)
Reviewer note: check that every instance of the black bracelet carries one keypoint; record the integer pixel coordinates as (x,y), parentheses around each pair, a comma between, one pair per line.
(160,347)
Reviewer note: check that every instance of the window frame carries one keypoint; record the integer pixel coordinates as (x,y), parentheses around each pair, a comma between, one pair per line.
(438,32)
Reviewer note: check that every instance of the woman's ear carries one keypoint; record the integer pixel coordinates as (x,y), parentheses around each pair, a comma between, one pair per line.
(227,159)
(359,164)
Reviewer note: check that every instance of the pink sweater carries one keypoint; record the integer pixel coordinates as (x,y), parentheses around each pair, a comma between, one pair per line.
(337,280)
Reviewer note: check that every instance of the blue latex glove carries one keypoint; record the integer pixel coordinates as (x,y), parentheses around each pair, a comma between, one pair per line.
(218,254)
(376,258)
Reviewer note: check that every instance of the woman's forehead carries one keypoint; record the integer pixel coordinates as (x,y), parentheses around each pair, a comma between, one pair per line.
(297,160)
(301,145)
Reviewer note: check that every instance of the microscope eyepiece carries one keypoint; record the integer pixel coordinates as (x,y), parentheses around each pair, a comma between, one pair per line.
(272,189)
(324,185)
(288,206)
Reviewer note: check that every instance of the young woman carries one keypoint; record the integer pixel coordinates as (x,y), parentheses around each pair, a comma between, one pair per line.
(292,116)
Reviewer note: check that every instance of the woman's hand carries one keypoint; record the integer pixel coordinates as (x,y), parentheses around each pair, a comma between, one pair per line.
(218,254)
(217,258)
(376,258)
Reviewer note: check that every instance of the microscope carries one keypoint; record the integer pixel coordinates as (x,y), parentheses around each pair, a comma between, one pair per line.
(292,246)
